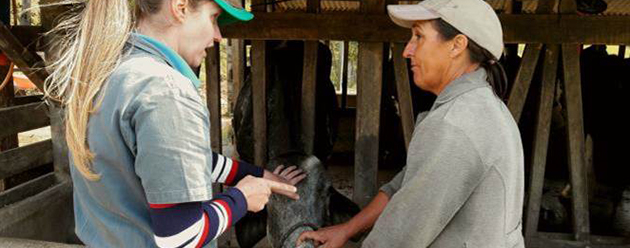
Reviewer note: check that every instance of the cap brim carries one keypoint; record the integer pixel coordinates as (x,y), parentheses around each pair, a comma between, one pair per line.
(405,15)
(232,14)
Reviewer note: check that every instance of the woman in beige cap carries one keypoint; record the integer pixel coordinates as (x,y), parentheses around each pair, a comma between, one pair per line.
(463,183)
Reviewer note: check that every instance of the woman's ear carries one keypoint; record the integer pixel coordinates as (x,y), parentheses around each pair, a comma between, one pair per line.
(460,43)
(179,9)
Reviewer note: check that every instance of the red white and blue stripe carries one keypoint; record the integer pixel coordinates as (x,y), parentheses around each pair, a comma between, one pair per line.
(195,224)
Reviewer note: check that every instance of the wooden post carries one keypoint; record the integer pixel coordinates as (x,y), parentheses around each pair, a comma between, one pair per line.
(259,101)
(6,100)
(213,100)
(238,68)
(575,136)
(309,91)
(622,51)
(309,86)
(541,139)
(519,91)
(403,89)
(369,87)
(58,135)
(213,95)
(344,74)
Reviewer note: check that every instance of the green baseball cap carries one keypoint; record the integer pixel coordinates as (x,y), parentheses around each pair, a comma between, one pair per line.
(232,14)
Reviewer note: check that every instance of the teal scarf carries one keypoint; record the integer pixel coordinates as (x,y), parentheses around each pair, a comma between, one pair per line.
(174,59)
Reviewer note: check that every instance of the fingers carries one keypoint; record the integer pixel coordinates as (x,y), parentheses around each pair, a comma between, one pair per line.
(283,189)
(286,171)
(294,173)
(278,169)
(312,235)
(297,179)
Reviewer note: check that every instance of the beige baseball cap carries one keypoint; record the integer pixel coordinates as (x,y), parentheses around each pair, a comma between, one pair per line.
(474,18)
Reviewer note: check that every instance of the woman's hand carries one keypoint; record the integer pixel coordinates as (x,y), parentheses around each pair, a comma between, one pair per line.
(329,237)
(290,175)
(257,191)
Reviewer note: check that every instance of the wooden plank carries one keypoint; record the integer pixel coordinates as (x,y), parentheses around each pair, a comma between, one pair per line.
(309,91)
(517,28)
(24,158)
(213,93)
(29,62)
(575,135)
(238,68)
(29,36)
(541,139)
(14,213)
(21,100)
(22,118)
(369,80)
(259,101)
(28,189)
(519,91)
(403,89)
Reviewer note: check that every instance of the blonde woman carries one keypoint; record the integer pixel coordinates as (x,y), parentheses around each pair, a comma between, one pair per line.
(137,130)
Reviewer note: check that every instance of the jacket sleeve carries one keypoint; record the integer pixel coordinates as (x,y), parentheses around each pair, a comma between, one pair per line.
(448,170)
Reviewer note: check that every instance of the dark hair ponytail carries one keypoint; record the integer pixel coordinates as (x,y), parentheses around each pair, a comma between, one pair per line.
(496,75)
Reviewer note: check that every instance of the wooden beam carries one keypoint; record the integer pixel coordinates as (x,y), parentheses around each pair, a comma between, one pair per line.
(517,28)
(27,189)
(541,139)
(21,159)
(575,139)
(518,93)
(29,36)
(14,213)
(23,118)
(259,101)
(21,100)
(29,62)
(213,93)
(403,89)
(309,91)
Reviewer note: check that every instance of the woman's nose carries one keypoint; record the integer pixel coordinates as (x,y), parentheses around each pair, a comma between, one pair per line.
(217,34)
(410,49)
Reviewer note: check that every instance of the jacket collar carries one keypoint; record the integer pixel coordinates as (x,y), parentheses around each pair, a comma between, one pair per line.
(461,85)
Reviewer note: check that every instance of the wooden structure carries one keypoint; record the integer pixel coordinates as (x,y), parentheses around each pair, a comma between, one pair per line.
(551,30)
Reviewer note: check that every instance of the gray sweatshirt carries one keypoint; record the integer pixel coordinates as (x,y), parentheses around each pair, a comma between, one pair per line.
(463,183)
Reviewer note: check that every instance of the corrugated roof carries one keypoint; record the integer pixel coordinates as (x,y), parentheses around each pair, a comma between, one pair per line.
(615,7)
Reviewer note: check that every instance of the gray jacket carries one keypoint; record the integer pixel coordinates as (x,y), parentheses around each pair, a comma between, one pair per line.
(463,183)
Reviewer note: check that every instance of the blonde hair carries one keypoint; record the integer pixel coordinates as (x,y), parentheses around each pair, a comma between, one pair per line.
(86,49)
